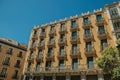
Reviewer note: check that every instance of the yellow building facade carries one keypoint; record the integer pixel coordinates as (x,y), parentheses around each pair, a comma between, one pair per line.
(69,48)
(12,58)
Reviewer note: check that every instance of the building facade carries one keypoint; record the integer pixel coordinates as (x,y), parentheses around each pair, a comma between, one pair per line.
(68,49)
(12,57)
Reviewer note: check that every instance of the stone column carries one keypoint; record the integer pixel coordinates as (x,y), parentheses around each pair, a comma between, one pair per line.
(68,77)
(100,77)
(83,75)
(24,76)
(42,77)
(54,77)
(31,77)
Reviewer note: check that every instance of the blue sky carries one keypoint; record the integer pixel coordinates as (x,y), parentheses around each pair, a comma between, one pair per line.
(17,17)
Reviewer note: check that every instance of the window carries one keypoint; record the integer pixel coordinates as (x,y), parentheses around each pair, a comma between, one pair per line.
(0,47)
(40,53)
(113,11)
(88,46)
(90,62)
(87,32)
(33,44)
(20,54)
(50,51)
(62,37)
(17,63)
(74,35)
(31,55)
(51,40)
(74,48)
(62,50)
(3,72)
(43,32)
(10,51)
(52,29)
(99,17)
(73,24)
(61,64)
(104,44)
(35,32)
(117,35)
(41,42)
(86,21)
(38,66)
(116,24)
(101,30)
(74,64)
(29,66)
(6,61)
(62,27)
(15,75)
(48,65)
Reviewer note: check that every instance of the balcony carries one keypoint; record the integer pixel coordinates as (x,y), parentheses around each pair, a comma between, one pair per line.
(74,28)
(63,30)
(62,56)
(9,52)
(82,68)
(100,22)
(3,75)
(87,25)
(17,65)
(88,37)
(15,77)
(7,63)
(34,37)
(75,54)
(117,16)
(41,46)
(19,55)
(37,71)
(39,58)
(33,47)
(102,34)
(50,57)
(51,43)
(75,40)
(90,52)
(52,33)
(102,47)
(42,35)
(30,58)
(116,30)
(62,42)
(28,71)
(90,69)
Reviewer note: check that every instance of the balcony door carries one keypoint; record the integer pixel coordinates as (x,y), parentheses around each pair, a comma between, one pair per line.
(75,64)
(90,62)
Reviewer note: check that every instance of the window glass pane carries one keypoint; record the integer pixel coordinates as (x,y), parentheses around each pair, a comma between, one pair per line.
(75,64)
(99,17)
(101,30)
(86,20)
(87,32)
(61,64)
(62,50)
(90,62)
(63,26)
(73,23)
(113,11)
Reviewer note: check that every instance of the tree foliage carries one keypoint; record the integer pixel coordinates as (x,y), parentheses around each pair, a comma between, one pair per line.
(109,62)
